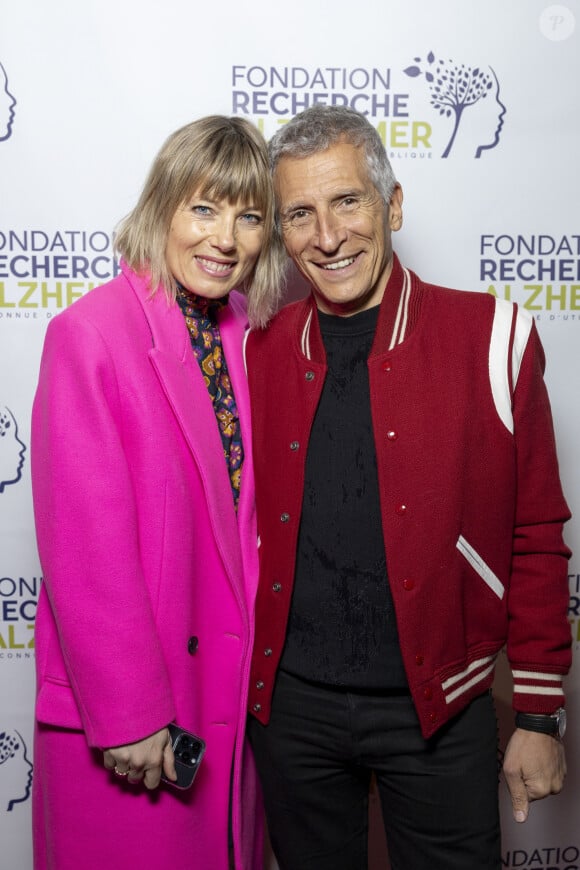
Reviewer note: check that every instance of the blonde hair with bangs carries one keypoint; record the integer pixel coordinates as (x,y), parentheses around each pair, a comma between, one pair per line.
(219,158)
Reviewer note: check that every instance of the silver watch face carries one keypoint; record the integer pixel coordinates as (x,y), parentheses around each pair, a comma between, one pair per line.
(560,716)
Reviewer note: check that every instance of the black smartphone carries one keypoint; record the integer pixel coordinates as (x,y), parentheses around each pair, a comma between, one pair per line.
(188,751)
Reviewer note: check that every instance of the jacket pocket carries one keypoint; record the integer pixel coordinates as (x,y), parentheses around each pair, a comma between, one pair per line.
(481,567)
(55,705)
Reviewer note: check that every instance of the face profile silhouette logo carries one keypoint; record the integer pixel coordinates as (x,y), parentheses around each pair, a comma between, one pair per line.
(15,771)
(7,103)
(12,449)
(456,88)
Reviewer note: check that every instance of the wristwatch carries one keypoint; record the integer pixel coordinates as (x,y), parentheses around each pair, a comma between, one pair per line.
(554,724)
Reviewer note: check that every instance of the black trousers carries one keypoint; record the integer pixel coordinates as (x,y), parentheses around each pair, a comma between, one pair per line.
(439,797)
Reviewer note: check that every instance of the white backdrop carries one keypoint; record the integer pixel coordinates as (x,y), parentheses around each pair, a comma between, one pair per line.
(89,91)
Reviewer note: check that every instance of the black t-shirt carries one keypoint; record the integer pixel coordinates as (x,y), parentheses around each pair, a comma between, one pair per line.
(342,628)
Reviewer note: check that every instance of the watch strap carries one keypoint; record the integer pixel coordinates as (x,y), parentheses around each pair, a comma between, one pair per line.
(541,722)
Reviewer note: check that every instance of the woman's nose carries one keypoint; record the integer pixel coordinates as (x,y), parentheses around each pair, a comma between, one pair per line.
(225,233)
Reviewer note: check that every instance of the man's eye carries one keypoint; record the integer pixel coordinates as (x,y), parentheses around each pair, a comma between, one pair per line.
(299,216)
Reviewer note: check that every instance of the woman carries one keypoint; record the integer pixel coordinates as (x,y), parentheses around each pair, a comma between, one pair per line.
(142,481)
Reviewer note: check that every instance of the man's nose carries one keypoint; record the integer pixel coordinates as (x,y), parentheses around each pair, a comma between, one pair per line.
(331,232)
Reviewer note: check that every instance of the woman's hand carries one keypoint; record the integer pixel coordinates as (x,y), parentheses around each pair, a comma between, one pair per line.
(143,761)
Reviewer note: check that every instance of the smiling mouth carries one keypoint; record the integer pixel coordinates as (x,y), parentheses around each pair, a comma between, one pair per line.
(213,266)
(340,264)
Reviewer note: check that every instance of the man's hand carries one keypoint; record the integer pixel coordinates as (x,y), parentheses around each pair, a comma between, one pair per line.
(534,767)
(144,760)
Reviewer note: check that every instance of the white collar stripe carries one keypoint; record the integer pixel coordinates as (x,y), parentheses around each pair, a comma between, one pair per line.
(400,326)
(244,346)
(305,340)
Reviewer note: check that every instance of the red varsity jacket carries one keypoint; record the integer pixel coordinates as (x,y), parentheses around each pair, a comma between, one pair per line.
(471,502)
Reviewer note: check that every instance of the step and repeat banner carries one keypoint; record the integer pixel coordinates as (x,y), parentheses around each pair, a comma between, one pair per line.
(478,107)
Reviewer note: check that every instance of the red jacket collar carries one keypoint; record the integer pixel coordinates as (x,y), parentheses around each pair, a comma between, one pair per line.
(398,314)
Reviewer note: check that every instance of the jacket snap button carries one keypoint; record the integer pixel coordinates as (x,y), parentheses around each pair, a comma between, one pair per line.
(408,584)
(392,435)
(294,445)
(309,376)
(427,693)
(257,708)
(284,517)
(401,509)
(387,365)
(192,645)
(267,651)
(259,684)
(277,587)
(419,659)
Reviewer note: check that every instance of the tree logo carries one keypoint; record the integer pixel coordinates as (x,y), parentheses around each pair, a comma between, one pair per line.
(455,88)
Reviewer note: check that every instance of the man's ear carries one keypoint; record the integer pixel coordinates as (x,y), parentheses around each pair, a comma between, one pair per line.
(396,209)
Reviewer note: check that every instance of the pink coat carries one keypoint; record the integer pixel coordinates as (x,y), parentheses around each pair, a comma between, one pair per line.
(145,615)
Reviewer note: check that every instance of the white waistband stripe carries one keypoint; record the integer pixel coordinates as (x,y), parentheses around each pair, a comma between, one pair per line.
(456,678)
(465,687)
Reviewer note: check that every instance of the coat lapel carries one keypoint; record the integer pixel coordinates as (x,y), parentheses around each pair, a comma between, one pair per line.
(188,398)
(233,323)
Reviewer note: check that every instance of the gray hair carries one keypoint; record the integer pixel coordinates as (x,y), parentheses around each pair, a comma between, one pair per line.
(320,127)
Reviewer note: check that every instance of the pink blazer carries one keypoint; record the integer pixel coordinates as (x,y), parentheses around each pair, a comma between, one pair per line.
(146,610)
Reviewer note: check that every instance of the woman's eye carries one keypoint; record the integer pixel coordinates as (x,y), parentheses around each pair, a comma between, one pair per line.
(251,218)
(201,210)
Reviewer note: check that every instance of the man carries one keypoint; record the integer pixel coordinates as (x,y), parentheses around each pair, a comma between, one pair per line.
(410,517)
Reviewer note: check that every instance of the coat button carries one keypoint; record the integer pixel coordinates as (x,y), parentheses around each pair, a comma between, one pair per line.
(284,517)
(428,693)
(294,445)
(309,376)
(257,708)
(387,365)
(259,684)
(267,652)
(408,584)
(401,509)
(392,435)
(276,587)
(419,659)
(192,645)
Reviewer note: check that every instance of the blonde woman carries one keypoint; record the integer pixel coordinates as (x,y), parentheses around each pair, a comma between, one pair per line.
(144,504)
